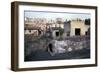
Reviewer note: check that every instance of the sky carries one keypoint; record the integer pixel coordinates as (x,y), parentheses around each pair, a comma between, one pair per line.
(54,15)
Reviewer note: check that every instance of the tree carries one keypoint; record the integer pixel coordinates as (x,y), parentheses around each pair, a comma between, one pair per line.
(61,31)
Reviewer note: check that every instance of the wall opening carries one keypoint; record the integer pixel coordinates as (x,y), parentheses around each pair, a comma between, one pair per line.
(77,31)
(57,34)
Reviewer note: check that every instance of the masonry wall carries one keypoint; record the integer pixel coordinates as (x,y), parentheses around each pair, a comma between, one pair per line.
(78,24)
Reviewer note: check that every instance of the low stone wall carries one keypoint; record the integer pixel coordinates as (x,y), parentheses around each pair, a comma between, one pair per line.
(79,42)
(70,44)
(41,43)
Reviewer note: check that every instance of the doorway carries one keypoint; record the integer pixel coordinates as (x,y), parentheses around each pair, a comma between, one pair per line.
(57,33)
(77,31)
